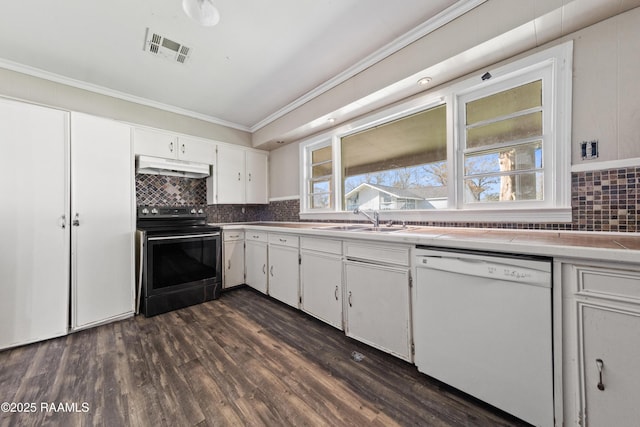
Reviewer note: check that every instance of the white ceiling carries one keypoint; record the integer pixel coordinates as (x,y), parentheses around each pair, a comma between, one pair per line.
(262,56)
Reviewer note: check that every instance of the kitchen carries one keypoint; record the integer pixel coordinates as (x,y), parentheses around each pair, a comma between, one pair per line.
(599,182)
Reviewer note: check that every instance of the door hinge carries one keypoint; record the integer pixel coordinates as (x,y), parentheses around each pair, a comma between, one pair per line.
(299,259)
(300,299)
(410,281)
(413,349)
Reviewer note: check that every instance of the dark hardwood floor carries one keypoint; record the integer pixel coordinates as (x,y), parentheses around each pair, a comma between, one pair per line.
(241,360)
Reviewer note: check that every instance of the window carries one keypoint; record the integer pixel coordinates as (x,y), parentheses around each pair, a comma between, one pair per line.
(319,177)
(503,145)
(394,162)
(492,149)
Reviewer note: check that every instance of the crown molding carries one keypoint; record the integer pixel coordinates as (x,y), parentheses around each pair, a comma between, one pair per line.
(57,78)
(432,24)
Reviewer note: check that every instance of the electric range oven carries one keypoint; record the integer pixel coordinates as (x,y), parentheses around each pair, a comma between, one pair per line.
(178,262)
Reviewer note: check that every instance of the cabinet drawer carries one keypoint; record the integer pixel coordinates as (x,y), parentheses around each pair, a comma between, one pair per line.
(259,236)
(388,254)
(283,239)
(609,283)
(233,235)
(321,245)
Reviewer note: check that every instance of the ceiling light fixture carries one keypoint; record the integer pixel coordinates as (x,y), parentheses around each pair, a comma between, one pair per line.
(424,81)
(201,11)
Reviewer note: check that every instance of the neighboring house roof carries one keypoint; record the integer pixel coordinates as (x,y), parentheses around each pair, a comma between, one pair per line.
(404,193)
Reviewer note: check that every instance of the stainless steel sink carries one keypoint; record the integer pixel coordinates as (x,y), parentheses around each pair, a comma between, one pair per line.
(387,229)
(363,227)
(349,227)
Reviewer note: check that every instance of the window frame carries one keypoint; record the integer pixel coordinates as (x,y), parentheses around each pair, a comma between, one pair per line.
(553,66)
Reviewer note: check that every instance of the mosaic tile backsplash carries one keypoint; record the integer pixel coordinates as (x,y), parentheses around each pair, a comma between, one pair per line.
(162,190)
(605,200)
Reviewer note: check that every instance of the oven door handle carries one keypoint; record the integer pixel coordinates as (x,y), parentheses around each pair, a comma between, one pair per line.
(188,236)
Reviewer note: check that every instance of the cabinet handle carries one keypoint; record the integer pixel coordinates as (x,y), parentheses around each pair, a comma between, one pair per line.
(63,222)
(350,305)
(271,270)
(264,268)
(600,365)
(183,148)
(171,147)
(238,176)
(229,265)
(249,176)
(76,220)
(335,293)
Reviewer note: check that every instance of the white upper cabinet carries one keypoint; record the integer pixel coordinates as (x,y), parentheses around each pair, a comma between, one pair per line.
(196,150)
(241,177)
(256,175)
(230,175)
(171,146)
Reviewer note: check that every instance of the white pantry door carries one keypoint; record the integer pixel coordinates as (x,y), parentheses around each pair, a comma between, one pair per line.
(34,253)
(104,223)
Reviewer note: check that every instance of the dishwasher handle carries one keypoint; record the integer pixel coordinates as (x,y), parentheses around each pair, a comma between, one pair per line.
(489,269)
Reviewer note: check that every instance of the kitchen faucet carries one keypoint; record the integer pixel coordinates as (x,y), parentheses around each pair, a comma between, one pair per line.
(375,219)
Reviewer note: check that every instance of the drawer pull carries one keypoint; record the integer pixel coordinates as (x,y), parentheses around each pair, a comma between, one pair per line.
(283,240)
(600,365)
(256,237)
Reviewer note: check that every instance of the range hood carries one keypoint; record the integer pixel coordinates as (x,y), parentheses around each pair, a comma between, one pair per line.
(159,166)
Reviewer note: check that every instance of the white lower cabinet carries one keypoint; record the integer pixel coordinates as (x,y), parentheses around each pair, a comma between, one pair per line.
(256,260)
(321,279)
(602,361)
(601,343)
(284,273)
(377,289)
(234,258)
(610,365)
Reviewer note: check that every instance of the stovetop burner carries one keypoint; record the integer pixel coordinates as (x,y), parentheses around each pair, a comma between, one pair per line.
(166,220)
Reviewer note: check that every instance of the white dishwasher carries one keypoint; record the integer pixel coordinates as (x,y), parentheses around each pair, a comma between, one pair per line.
(482,323)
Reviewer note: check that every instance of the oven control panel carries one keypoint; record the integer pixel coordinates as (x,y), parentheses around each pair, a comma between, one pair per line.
(170,212)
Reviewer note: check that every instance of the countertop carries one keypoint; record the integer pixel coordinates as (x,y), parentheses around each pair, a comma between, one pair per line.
(618,247)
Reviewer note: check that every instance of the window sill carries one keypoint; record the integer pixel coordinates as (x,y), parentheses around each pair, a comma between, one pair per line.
(533,216)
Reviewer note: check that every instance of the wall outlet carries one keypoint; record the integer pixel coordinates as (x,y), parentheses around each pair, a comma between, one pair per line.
(589,149)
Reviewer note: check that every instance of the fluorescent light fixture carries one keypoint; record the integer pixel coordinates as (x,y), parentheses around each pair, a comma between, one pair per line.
(201,11)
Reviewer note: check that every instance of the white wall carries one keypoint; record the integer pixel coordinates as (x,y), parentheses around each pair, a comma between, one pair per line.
(606,95)
(284,172)
(606,88)
(45,92)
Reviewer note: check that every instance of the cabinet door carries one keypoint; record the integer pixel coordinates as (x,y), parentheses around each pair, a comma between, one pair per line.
(196,150)
(233,263)
(257,177)
(102,200)
(153,143)
(284,274)
(256,265)
(377,307)
(610,343)
(230,175)
(321,286)
(34,253)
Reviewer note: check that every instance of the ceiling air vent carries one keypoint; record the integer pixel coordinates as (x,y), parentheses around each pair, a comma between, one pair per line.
(161,46)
